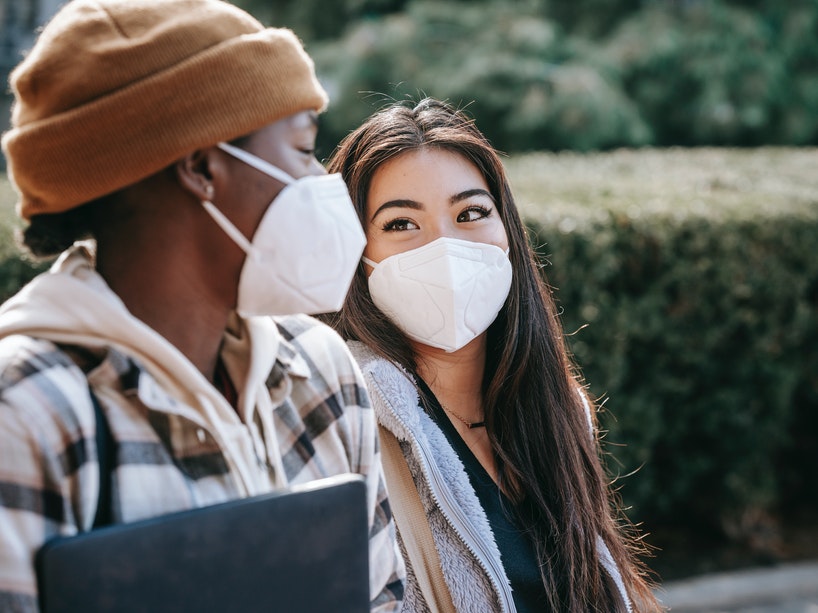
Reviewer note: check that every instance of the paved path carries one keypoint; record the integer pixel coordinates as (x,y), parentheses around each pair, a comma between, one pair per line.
(787,588)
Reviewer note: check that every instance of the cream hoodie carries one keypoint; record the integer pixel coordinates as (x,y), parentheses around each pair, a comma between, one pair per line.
(73,305)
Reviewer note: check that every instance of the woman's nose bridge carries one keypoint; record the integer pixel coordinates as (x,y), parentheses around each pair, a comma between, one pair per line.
(442,226)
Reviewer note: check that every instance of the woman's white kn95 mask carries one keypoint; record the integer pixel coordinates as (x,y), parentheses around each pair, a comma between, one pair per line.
(305,250)
(443,294)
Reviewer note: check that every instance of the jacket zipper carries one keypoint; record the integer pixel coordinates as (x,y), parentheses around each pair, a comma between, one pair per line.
(429,469)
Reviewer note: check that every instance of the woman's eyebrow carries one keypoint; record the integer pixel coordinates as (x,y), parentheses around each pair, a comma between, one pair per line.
(468,194)
(407,203)
(403,203)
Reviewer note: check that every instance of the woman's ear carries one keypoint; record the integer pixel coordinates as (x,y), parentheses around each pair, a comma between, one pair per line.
(195,173)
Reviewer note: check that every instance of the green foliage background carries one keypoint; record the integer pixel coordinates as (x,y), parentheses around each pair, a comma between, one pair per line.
(15,269)
(572,74)
(689,285)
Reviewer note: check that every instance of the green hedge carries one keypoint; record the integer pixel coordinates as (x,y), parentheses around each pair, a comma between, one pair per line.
(15,270)
(689,287)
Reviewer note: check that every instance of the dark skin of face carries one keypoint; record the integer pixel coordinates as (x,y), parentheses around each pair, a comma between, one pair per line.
(164,256)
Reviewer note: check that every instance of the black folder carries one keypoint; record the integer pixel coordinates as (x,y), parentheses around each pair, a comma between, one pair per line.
(303,549)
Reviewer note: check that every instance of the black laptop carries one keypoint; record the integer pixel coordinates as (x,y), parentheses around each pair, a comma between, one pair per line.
(304,549)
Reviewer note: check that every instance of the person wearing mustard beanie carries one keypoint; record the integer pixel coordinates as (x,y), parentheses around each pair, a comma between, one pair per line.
(162,152)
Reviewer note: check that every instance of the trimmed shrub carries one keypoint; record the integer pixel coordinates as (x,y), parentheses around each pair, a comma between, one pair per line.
(15,270)
(689,285)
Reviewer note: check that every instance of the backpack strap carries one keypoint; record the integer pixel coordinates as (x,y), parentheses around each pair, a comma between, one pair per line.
(86,360)
(105,459)
(413,525)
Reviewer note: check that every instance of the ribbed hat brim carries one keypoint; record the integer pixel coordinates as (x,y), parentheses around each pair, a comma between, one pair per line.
(226,91)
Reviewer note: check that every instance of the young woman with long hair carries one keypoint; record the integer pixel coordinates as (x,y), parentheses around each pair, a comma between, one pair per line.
(463,353)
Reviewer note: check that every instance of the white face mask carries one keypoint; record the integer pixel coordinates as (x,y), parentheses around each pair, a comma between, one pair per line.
(305,250)
(443,294)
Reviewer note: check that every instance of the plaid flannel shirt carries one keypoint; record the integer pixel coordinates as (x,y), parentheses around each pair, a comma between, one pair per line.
(324,425)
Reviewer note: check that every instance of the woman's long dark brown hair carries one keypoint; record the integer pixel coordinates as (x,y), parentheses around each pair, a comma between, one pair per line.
(547,460)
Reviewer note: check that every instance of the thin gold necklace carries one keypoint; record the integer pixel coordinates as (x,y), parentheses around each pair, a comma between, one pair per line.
(470,424)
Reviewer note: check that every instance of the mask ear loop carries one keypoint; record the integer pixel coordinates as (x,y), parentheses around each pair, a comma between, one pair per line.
(226,225)
(256,162)
(260,165)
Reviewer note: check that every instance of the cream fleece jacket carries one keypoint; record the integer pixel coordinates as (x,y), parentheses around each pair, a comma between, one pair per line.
(469,557)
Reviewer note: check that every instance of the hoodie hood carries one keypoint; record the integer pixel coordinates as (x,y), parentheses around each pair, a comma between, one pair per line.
(72,304)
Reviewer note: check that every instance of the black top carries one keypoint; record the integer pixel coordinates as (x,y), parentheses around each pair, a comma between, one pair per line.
(516,551)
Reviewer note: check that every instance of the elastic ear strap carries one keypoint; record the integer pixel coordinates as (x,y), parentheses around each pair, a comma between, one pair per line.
(366,260)
(226,225)
(256,162)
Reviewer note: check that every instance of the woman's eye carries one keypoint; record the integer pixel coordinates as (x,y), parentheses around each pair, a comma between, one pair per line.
(473,213)
(398,225)
(310,152)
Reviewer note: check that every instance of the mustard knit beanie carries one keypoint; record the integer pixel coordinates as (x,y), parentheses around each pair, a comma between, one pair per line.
(115,90)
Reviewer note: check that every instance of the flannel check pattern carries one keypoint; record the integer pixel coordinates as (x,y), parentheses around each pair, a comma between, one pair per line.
(323,421)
